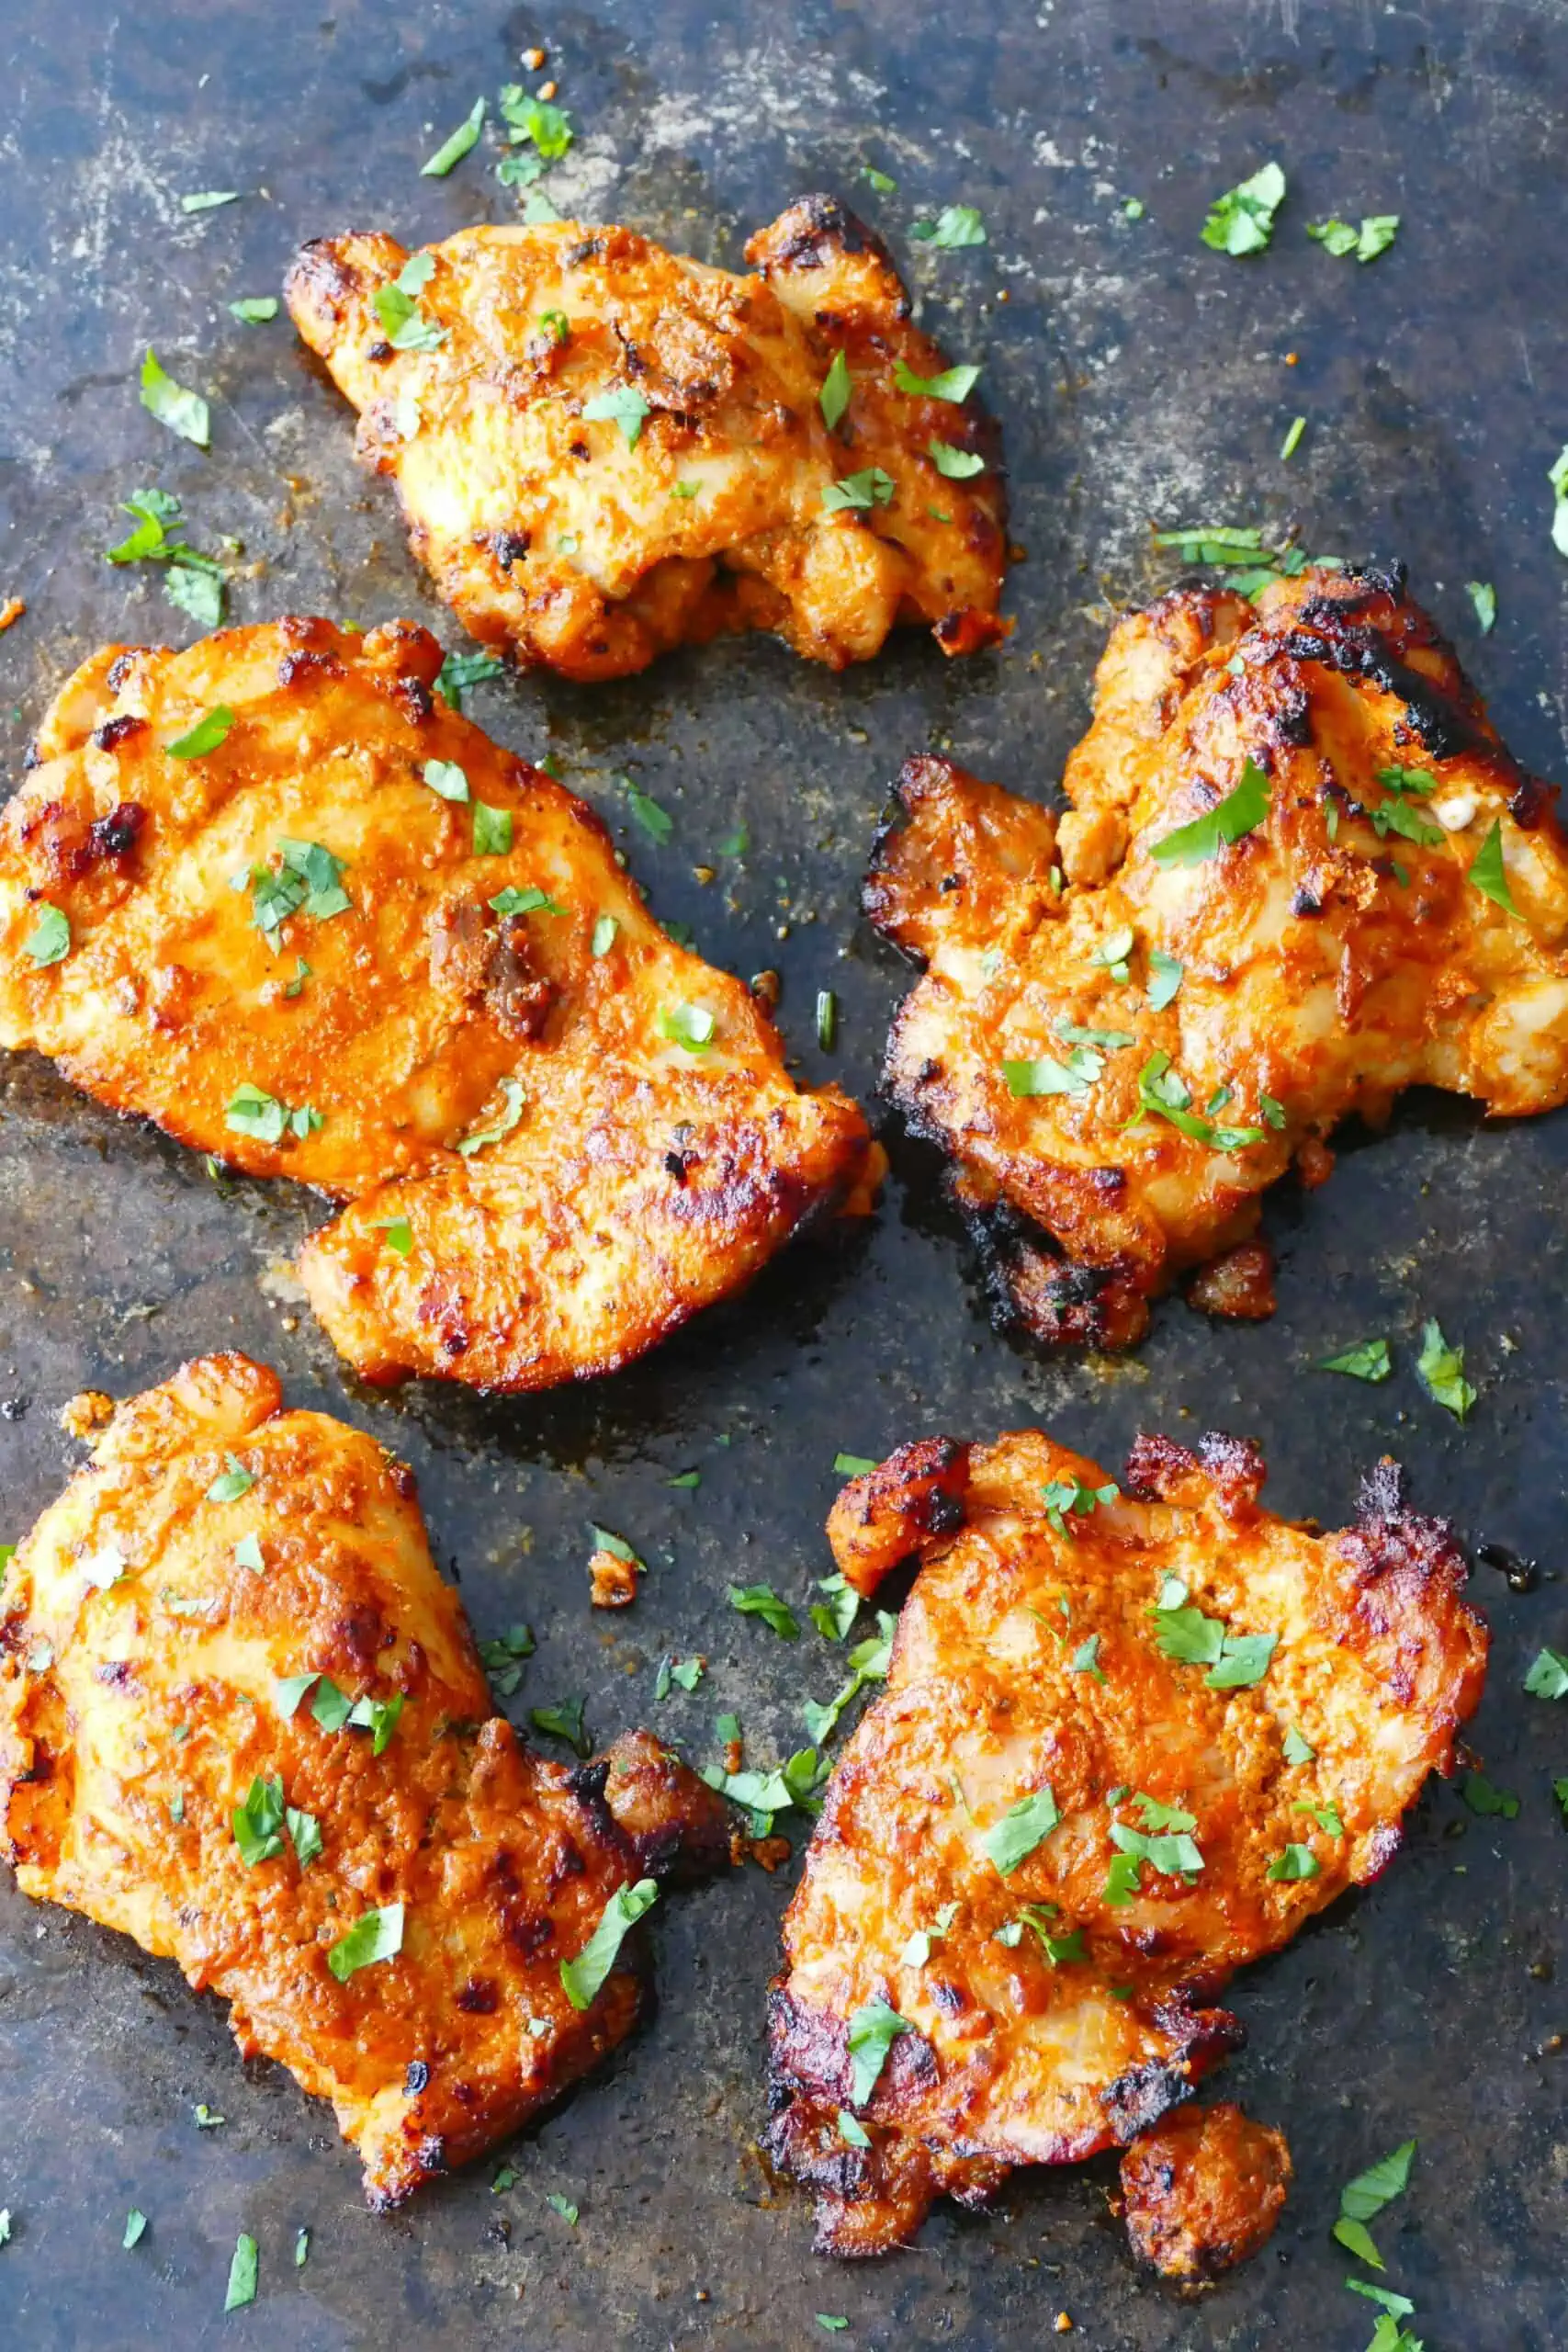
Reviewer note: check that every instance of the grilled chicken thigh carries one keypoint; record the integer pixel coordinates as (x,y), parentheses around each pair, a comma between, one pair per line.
(1129,1741)
(273,894)
(1299,873)
(242,1720)
(603,450)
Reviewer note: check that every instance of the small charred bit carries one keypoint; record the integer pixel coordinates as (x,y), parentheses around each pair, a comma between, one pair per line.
(115,836)
(612,1580)
(117,730)
(1203,2189)
(912,1499)
(510,548)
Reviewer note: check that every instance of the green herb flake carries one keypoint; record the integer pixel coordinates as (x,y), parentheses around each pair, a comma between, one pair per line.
(460,672)
(1296,1861)
(834,397)
(492,830)
(1488,874)
(1548,1675)
(396,305)
(831,2323)
(1361,2199)
(1166,976)
(206,2120)
(854,1465)
(1173,1853)
(1480,1797)
(582,1978)
(304,1834)
(1009,1841)
(690,1025)
(248,1554)
(1242,220)
(547,127)
(446,779)
(208,732)
(606,931)
(1557,475)
(834,1616)
(1123,1879)
(135,2228)
(1046,1075)
(564,1722)
(502,1657)
(850,2132)
(195,592)
(873,2031)
(528,901)
(955,226)
(1086,1659)
(512,1099)
(209,200)
(379,1717)
(242,2266)
(954,385)
(623,405)
(399,1233)
(375,1936)
(255,310)
(452,151)
(858,491)
(1440,1370)
(656,823)
(49,941)
(826,1019)
(234,1481)
(1484,596)
(258,1823)
(1239,813)
(1292,440)
(183,411)
(762,1600)
(954,465)
(1243,1663)
(302,2249)
(1368,1360)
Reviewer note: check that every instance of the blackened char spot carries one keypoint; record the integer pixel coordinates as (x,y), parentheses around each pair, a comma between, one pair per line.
(307,663)
(416,699)
(120,668)
(116,834)
(1442,726)
(416,2078)
(585,249)
(510,548)
(114,731)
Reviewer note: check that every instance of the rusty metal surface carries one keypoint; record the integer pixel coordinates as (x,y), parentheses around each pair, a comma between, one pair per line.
(1137,376)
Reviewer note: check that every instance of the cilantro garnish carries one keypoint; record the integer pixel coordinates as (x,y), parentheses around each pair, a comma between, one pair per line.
(917,1947)
(1484,596)
(1164,1092)
(954,384)
(1065,1496)
(547,127)
(446,779)
(832,2323)
(1085,1659)
(834,1616)
(861,491)
(1237,1661)
(255,310)
(624,405)
(853,1466)
(1361,2199)
(207,200)
(690,1025)
(582,1978)
(656,823)
(527,901)
(868,1662)
(1440,1370)
(309,880)
(1368,1360)
(502,1657)
(258,1823)
(1013,1838)
(1166,976)
(242,2267)
(1376,233)
(210,732)
(197,591)
(252,1112)
(183,411)
(396,304)
(1296,1861)
(564,1722)
(1482,1797)
(1557,475)
(135,2228)
(452,151)
(956,465)
(234,1481)
(375,1936)
(492,830)
(955,225)
(604,932)
(1172,1852)
(1239,813)
(1242,220)
(837,387)
(512,1098)
(460,671)
(1298,1747)
(873,2031)
(1488,874)
(49,941)
(1548,1675)
(1292,440)
(762,1600)
(1046,1075)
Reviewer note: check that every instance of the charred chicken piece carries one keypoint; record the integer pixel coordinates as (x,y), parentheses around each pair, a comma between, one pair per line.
(603,450)
(1299,873)
(1129,1741)
(1202,2190)
(272,893)
(242,1720)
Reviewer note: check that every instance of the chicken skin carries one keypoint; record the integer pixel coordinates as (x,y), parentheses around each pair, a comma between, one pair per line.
(1129,1741)
(348,939)
(242,1720)
(1202,2190)
(1298,874)
(603,450)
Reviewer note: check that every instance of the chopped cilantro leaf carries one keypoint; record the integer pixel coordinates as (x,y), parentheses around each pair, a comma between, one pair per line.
(582,1977)
(207,200)
(564,1722)
(242,2267)
(656,823)
(690,1025)
(446,779)
(135,2228)
(255,310)
(1548,1675)
(1242,220)
(233,1481)
(1368,1360)
(399,1233)
(861,491)
(850,2132)
(1012,1840)
(1484,596)
(492,830)
(873,2031)
(853,1466)
(623,405)
(564,2207)
(954,384)
(955,225)
(834,397)
(1165,978)
(1243,1663)
(502,1657)
(528,901)
(547,127)
(1292,440)
(1172,1853)
(1086,1659)
(826,1019)
(880,181)
(49,941)
(514,1098)
(183,411)
(604,931)
(1298,1747)
(1376,233)
(461,672)
(1482,1797)
(208,732)
(452,151)
(1557,475)
(377,1716)
(1440,1370)
(762,1600)
(956,465)
(195,592)
(1046,1075)
(1240,812)
(1296,1861)
(396,305)
(375,1936)
(1488,874)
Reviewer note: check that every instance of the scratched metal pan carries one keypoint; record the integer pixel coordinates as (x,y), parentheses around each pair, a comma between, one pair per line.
(1138,377)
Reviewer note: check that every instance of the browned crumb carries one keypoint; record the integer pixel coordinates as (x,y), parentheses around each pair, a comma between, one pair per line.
(1063,2324)
(549,90)
(1239,1284)
(86,1414)
(614,1581)
(11,610)
(1203,2189)
(533,58)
